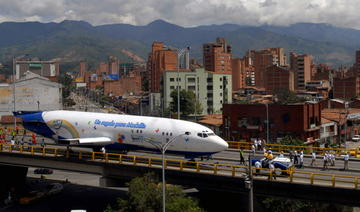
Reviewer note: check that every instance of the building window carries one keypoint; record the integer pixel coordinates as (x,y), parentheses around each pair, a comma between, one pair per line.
(191,88)
(172,87)
(191,79)
(220,86)
(220,94)
(172,79)
(242,122)
(220,79)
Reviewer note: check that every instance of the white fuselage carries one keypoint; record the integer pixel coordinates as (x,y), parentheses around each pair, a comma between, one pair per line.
(142,131)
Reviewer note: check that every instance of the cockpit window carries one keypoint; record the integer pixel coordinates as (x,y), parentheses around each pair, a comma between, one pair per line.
(200,135)
(205,135)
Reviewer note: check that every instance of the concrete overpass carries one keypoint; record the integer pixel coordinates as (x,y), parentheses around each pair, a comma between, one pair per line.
(117,169)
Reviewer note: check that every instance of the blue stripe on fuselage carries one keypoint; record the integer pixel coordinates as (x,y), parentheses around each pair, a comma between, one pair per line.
(35,123)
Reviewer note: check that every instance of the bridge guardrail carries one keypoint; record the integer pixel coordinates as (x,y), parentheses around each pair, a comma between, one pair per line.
(287,148)
(291,176)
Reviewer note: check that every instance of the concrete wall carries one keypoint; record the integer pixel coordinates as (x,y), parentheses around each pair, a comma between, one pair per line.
(28,93)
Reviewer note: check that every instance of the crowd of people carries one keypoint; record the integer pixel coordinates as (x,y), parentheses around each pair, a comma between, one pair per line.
(297,158)
(14,137)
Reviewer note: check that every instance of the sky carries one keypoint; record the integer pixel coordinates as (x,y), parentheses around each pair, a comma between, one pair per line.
(341,13)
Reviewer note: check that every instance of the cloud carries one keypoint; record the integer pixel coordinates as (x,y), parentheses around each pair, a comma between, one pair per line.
(185,12)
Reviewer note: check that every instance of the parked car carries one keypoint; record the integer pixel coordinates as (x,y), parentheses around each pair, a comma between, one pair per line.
(43,171)
(356,138)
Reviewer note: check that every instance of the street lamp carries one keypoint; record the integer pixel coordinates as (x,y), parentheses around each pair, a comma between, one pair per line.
(267,122)
(180,53)
(14,79)
(38,103)
(163,148)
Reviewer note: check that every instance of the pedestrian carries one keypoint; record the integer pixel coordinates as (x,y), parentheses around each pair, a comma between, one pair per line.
(259,145)
(332,158)
(12,141)
(346,161)
(272,171)
(22,142)
(253,149)
(33,139)
(291,156)
(296,159)
(313,159)
(256,144)
(301,159)
(242,160)
(258,166)
(325,159)
(281,154)
(43,142)
(270,156)
(103,150)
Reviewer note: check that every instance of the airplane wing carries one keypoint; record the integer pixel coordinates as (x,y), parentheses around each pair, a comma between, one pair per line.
(96,141)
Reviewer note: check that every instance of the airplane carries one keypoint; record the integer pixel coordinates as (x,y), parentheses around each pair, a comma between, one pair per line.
(124,132)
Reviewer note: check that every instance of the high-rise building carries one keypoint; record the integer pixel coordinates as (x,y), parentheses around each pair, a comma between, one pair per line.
(262,59)
(357,62)
(278,79)
(212,90)
(113,65)
(243,73)
(83,69)
(161,58)
(346,88)
(49,69)
(217,56)
(302,66)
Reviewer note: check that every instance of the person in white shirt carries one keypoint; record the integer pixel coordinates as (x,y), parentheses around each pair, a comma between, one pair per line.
(253,149)
(346,161)
(256,143)
(325,159)
(313,159)
(301,159)
(259,144)
(258,166)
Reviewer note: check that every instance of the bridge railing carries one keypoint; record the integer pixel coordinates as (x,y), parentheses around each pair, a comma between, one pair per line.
(287,148)
(291,176)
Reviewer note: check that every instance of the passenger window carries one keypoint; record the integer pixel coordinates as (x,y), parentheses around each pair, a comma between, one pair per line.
(167,134)
(163,133)
(137,131)
(170,134)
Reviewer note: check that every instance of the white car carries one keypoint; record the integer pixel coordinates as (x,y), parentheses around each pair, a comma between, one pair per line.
(356,138)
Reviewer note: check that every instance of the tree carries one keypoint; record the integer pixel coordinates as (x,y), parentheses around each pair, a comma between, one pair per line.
(198,108)
(145,195)
(288,140)
(187,102)
(288,97)
(278,204)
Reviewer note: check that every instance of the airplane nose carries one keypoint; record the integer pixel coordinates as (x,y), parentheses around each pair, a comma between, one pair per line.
(223,145)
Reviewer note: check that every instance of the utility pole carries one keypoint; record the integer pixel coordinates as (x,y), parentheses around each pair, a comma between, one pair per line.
(267,124)
(249,185)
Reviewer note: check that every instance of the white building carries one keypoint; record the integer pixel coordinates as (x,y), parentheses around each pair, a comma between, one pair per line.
(32,93)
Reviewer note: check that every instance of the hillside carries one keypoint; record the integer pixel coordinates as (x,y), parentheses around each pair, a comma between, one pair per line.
(78,40)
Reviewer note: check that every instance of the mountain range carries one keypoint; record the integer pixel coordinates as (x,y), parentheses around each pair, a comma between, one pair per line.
(72,41)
